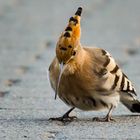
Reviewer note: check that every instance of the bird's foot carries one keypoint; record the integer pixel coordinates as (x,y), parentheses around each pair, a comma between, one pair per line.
(64,118)
(106,119)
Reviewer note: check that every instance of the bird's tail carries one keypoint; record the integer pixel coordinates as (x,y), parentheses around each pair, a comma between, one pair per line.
(130,102)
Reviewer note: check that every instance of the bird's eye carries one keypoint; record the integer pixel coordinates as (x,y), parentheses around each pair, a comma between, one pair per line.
(63,48)
(70,46)
(74,53)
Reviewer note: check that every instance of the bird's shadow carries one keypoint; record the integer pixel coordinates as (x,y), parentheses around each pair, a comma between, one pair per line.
(118,119)
(46,121)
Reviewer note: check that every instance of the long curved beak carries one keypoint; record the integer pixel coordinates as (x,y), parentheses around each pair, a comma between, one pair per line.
(59,79)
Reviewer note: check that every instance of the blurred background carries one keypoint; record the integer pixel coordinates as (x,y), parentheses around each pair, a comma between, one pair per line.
(29,30)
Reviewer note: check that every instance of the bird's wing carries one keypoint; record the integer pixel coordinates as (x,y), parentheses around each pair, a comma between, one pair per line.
(106,69)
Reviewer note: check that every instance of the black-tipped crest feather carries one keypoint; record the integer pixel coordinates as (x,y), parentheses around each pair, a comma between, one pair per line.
(79,11)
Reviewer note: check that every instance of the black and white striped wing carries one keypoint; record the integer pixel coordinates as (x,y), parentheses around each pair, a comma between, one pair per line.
(115,78)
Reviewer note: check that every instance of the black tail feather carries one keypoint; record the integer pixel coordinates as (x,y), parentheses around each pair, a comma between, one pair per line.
(136,107)
(130,102)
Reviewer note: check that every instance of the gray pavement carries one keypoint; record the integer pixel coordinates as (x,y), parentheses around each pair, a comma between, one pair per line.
(29,30)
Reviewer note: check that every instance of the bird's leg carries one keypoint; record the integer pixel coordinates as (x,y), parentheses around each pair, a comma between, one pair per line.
(65,117)
(107,118)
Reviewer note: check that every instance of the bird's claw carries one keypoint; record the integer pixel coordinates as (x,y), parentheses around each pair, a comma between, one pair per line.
(106,119)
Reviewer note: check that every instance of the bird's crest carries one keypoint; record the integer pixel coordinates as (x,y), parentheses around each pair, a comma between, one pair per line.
(70,37)
(72,33)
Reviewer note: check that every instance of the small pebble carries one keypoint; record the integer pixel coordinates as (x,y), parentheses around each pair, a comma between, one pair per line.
(131,51)
(3,93)
(37,56)
(25,136)
(48,44)
(11,82)
(22,70)
(48,135)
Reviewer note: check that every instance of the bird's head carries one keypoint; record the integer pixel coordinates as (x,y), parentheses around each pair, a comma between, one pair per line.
(69,41)
(68,44)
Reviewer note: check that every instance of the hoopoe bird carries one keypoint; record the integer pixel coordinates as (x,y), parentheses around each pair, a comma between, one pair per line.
(88,78)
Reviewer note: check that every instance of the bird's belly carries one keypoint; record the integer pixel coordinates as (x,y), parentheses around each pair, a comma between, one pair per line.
(74,92)
(90,102)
